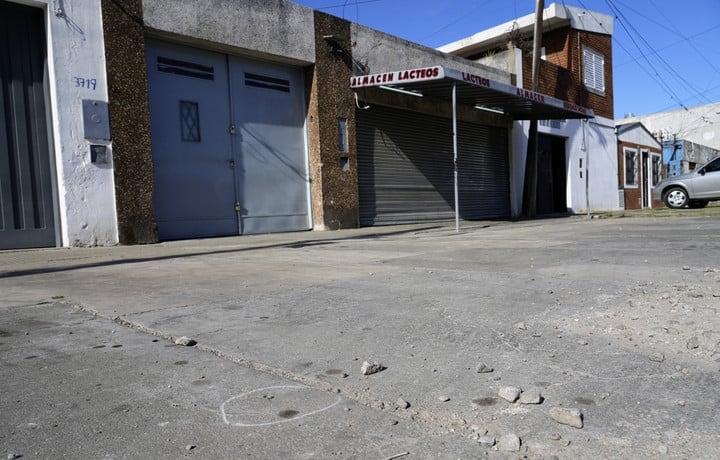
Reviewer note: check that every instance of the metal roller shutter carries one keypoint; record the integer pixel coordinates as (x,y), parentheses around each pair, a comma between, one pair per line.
(406,172)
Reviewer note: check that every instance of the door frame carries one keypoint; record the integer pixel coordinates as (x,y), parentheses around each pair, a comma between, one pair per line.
(47,117)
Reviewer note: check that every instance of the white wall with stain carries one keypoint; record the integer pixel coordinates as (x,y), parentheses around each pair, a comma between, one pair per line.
(591,158)
(76,71)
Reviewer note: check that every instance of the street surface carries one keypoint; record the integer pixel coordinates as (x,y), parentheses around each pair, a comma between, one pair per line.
(616,317)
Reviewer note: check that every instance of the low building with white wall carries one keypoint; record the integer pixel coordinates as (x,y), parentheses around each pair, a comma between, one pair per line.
(590,152)
(71,201)
(157,119)
(699,125)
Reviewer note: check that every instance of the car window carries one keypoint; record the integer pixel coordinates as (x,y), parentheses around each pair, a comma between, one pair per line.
(713,165)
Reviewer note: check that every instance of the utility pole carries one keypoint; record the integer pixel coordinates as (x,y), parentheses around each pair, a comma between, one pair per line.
(529,205)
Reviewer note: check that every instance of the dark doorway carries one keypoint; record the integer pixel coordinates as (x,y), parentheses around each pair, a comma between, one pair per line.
(552,177)
(26,193)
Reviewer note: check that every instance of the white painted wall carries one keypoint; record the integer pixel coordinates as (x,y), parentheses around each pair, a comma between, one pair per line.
(76,66)
(700,124)
(595,145)
(638,136)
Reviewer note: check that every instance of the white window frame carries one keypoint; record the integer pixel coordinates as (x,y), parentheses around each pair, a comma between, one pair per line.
(593,70)
(634,152)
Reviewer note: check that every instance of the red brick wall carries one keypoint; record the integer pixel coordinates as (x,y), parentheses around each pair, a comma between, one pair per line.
(560,75)
(633,196)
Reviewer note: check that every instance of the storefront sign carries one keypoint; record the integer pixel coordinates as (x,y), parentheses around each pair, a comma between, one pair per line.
(575,107)
(512,94)
(400,76)
(476,80)
(532,95)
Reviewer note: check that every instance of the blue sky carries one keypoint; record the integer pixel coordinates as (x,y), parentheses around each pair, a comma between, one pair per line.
(666,53)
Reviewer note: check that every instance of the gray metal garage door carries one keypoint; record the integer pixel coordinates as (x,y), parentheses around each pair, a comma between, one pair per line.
(405,168)
(229,149)
(26,196)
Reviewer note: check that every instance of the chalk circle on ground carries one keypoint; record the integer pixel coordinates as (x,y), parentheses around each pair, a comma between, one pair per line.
(276,404)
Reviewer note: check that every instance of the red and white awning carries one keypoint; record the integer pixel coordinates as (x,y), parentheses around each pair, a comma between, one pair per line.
(475,91)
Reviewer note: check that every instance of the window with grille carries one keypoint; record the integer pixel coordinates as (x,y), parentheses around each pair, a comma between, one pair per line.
(631,168)
(594,70)
(189,121)
(656,169)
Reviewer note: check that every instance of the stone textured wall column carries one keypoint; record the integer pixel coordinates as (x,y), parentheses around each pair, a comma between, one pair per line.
(333,172)
(129,120)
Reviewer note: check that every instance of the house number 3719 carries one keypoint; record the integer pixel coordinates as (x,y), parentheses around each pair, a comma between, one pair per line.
(89,83)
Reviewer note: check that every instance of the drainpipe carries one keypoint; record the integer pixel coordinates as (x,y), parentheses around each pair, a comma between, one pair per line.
(586,135)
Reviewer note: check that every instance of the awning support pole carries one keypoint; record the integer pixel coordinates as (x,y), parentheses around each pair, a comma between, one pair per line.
(455,157)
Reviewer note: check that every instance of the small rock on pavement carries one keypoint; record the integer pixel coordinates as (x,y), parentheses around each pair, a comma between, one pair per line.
(487,441)
(509,443)
(483,368)
(567,416)
(532,396)
(509,393)
(13,456)
(190,447)
(371,368)
(375,404)
(185,341)
(555,437)
(520,326)
(657,357)
(402,404)
(693,343)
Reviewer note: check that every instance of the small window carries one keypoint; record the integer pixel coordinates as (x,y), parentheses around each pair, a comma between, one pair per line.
(342,134)
(594,70)
(631,168)
(656,169)
(189,121)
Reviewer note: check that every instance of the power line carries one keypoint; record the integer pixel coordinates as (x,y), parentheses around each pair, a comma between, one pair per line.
(635,59)
(655,77)
(455,21)
(674,30)
(346,3)
(622,20)
(643,55)
(700,95)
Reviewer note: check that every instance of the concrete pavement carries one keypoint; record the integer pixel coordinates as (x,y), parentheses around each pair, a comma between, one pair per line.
(576,308)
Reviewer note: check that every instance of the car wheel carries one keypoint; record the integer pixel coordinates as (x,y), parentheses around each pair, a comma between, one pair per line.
(676,198)
(698,204)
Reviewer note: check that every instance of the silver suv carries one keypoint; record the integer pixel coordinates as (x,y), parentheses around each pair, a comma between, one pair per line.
(693,189)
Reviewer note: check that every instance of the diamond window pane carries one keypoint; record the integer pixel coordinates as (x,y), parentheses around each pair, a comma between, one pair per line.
(189,121)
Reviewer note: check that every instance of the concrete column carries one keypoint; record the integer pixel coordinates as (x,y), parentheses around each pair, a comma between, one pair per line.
(333,172)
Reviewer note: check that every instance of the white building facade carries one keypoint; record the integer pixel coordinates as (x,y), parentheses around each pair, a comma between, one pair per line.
(71,201)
